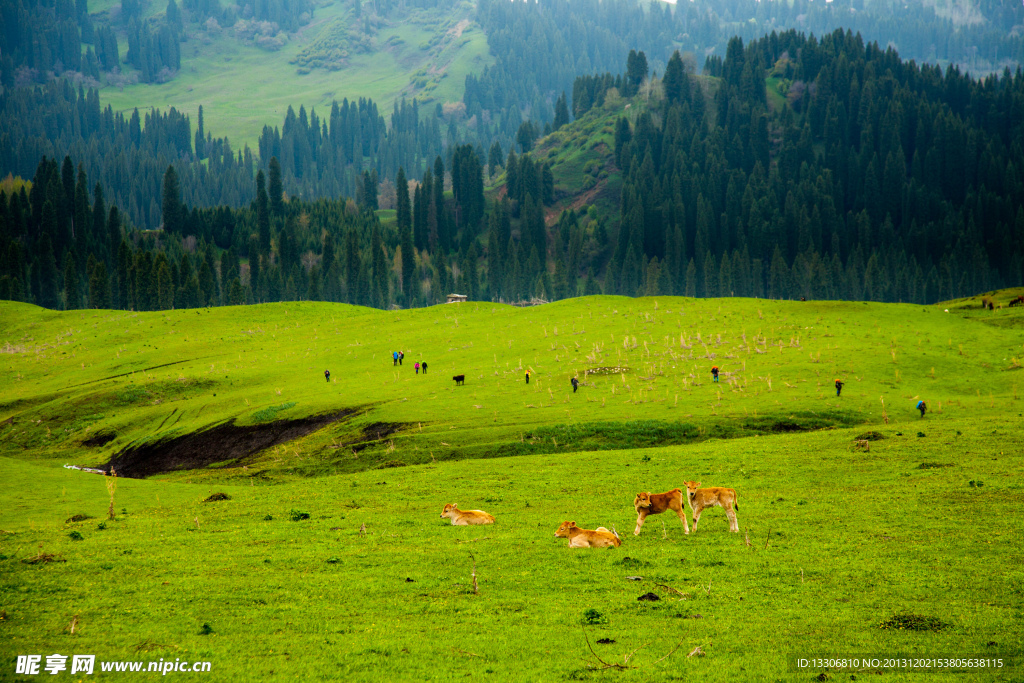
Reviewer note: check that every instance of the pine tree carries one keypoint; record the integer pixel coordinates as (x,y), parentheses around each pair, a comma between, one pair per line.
(164,287)
(82,213)
(561,113)
(208,284)
(114,230)
(353,262)
(172,209)
(46,265)
(675,79)
(275,190)
(409,288)
(262,213)
(471,272)
(200,141)
(381,295)
(691,279)
(494,158)
(99,287)
(72,296)
(99,219)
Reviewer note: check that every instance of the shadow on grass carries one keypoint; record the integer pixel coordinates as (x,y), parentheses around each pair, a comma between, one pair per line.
(633,434)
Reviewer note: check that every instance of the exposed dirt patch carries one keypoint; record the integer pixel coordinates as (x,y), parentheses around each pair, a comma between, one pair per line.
(908,621)
(99,439)
(784,426)
(870,436)
(375,432)
(224,442)
(217,496)
(43,558)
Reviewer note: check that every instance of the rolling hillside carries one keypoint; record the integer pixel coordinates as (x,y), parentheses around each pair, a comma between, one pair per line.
(326,554)
(82,387)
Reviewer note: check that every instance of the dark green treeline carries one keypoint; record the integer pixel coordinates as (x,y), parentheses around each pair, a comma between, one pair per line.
(860,177)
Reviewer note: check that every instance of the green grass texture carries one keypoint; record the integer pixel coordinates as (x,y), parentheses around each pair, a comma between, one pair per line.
(328,558)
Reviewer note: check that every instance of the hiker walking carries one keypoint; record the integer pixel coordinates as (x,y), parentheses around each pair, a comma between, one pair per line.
(394,357)
(575,384)
(714,373)
(417,367)
(424,366)
(839,387)
(401,356)
(527,376)
(922,406)
(327,375)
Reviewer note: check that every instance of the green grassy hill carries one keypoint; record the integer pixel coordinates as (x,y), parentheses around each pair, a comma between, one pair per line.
(424,55)
(921,530)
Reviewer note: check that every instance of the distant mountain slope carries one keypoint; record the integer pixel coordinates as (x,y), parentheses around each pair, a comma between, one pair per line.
(423,53)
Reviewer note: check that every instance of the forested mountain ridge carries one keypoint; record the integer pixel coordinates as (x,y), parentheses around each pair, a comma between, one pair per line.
(794,168)
(429,50)
(826,169)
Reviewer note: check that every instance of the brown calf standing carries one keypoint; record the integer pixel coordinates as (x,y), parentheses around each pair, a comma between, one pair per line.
(656,503)
(709,498)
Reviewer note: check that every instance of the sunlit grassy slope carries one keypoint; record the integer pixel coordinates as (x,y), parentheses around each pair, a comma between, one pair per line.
(373,586)
(151,376)
(242,88)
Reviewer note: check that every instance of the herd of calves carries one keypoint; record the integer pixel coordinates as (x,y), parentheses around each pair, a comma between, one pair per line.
(644,503)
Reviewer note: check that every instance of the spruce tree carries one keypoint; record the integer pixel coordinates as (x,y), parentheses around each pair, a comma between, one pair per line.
(691,279)
(82,213)
(99,287)
(381,295)
(171,206)
(207,285)
(276,190)
(353,263)
(262,214)
(494,158)
(114,230)
(674,79)
(99,221)
(72,296)
(46,266)
(561,112)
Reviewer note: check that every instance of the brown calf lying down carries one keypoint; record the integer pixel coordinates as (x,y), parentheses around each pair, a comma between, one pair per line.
(465,517)
(709,498)
(588,538)
(656,503)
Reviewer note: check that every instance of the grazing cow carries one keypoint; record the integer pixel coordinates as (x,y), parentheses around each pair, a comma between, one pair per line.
(656,503)
(709,498)
(1018,301)
(459,379)
(588,538)
(465,517)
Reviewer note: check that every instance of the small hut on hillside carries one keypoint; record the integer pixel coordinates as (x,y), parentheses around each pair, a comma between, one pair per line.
(456,298)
